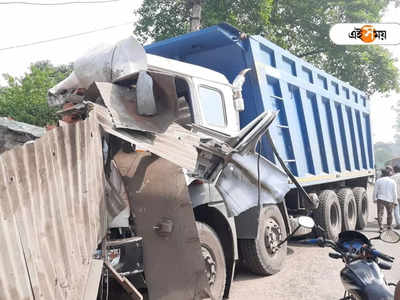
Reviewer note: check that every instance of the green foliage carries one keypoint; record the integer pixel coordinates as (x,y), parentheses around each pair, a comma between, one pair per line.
(302,27)
(161,19)
(25,99)
(251,16)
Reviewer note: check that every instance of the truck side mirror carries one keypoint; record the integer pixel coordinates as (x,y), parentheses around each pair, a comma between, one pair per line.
(306,222)
(145,102)
(237,90)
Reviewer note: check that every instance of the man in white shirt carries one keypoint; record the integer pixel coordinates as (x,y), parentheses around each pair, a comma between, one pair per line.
(385,195)
(396,178)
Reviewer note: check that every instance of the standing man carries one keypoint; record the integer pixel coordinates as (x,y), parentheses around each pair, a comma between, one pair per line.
(396,178)
(385,195)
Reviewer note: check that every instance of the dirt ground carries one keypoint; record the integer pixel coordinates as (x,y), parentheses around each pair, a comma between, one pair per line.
(308,273)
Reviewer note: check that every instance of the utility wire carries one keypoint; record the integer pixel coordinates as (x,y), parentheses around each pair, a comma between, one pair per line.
(55,3)
(63,37)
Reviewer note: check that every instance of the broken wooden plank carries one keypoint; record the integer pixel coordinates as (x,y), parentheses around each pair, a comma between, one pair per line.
(93,281)
(125,283)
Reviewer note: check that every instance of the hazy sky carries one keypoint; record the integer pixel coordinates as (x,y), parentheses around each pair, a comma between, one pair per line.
(382,113)
(21,24)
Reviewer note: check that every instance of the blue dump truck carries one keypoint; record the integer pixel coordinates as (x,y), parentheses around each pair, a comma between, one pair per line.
(204,102)
(322,134)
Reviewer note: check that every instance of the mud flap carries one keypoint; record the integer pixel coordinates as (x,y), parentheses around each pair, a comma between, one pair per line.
(173,264)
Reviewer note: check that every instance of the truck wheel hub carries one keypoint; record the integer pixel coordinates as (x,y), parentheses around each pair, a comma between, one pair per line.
(273,236)
(211,270)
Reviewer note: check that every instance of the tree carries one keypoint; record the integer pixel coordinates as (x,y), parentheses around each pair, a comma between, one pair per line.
(161,19)
(25,98)
(302,27)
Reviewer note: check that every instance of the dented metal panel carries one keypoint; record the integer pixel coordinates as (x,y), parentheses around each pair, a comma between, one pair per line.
(176,144)
(173,262)
(51,213)
(106,62)
(122,104)
(238,183)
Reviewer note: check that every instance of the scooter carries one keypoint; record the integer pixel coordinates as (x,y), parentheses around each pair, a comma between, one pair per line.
(362,275)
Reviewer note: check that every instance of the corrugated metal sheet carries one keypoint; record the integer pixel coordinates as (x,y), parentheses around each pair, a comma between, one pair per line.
(22,128)
(51,213)
(13,133)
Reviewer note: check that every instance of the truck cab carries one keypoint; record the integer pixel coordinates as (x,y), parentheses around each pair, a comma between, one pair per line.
(208,99)
(208,94)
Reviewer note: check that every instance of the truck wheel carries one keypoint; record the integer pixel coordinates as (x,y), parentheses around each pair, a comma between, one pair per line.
(349,208)
(261,255)
(360,195)
(214,259)
(328,215)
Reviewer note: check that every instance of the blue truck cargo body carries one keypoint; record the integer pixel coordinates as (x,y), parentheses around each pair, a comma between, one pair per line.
(323,130)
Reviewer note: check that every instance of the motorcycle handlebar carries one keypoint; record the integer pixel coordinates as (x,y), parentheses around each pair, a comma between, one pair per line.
(384,266)
(335,255)
(352,255)
(323,242)
(382,256)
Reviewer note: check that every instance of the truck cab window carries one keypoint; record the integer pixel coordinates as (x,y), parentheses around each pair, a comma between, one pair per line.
(212,106)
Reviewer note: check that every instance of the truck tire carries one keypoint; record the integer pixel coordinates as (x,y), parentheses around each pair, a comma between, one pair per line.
(360,195)
(260,255)
(349,208)
(214,259)
(328,215)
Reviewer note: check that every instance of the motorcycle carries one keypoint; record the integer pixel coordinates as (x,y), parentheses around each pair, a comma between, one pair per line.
(362,276)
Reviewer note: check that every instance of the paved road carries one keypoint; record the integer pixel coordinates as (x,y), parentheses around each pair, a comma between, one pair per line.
(308,274)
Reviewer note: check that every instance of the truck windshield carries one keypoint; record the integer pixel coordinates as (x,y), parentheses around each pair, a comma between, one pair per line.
(212,106)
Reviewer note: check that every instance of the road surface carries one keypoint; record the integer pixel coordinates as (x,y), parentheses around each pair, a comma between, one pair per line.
(308,273)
